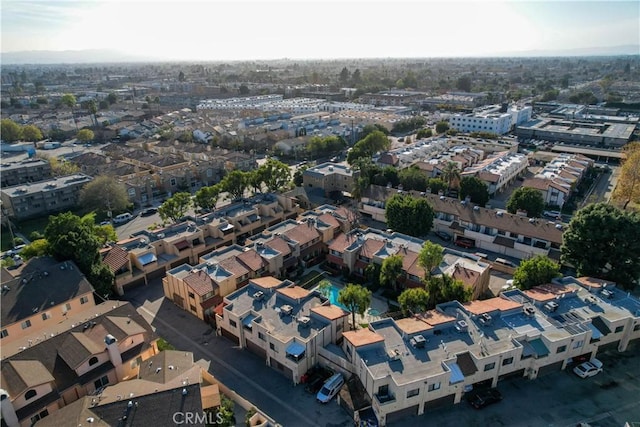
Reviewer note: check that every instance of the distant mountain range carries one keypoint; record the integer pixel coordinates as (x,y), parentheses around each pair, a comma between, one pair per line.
(109,56)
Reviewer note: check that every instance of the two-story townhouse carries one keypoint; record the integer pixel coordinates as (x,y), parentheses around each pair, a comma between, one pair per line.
(151,394)
(498,170)
(330,177)
(77,357)
(42,292)
(554,192)
(288,336)
(494,230)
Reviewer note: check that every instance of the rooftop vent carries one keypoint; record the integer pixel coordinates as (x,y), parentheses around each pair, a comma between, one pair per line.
(476,208)
(499,213)
(286,309)
(532,220)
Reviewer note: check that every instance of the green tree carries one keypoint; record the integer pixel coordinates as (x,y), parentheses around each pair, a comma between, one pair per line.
(36,248)
(413,300)
(356,299)
(475,188)
(234,183)
(344,76)
(445,288)
(436,185)
(602,241)
(424,133)
(372,274)
(276,175)
(104,194)
(112,98)
(409,215)
(450,173)
(628,187)
(324,287)
(535,271)
(102,279)
(10,131)
(442,127)
(70,101)
(374,142)
(224,413)
(106,233)
(175,207)
(207,197)
(526,199)
(464,83)
(85,135)
(391,271)
(60,167)
(430,256)
(413,179)
(31,133)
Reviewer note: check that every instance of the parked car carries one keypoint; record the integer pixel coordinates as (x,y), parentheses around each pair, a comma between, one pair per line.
(122,218)
(444,236)
(14,251)
(484,398)
(552,214)
(330,388)
(588,369)
(504,262)
(148,211)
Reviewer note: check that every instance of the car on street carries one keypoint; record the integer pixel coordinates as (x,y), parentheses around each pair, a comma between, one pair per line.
(14,251)
(552,214)
(148,211)
(484,398)
(588,369)
(444,236)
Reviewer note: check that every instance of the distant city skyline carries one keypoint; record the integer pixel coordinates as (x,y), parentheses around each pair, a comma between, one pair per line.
(305,29)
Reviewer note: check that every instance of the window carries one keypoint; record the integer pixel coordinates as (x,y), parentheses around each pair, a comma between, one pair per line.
(46,315)
(93,361)
(413,392)
(561,349)
(4,333)
(191,295)
(173,182)
(26,324)
(261,336)
(30,394)
(635,328)
(434,386)
(193,308)
(39,416)
(99,383)
(578,344)
(489,366)
(273,347)
(66,308)
(233,323)
(619,329)
(383,390)
(507,361)
(84,300)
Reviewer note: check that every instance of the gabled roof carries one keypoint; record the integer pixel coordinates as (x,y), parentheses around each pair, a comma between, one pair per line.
(280,245)
(330,312)
(252,260)
(200,282)
(302,234)
(362,337)
(116,258)
(20,375)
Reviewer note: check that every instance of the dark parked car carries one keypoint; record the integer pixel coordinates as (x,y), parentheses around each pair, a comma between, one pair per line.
(485,397)
(444,236)
(148,212)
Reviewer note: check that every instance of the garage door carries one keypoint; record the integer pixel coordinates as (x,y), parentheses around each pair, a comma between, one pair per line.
(156,273)
(281,368)
(256,349)
(549,369)
(180,262)
(515,374)
(230,336)
(438,403)
(398,415)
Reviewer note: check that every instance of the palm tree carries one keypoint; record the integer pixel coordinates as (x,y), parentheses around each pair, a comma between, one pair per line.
(450,173)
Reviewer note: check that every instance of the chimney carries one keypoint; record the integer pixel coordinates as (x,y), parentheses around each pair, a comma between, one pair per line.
(9,416)
(114,355)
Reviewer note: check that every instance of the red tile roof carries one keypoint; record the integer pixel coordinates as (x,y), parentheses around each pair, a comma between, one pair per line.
(233,266)
(280,245)
(466,276)
(116,258)
(302,233)
(200,282)
(252,260)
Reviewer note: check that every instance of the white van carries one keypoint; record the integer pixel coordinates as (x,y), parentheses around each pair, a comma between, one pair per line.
(122,218)
(330,388)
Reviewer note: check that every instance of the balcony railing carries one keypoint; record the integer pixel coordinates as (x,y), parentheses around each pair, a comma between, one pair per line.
(383,399)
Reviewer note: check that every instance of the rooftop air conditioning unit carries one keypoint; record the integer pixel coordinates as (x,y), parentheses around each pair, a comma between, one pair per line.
(258,295)
(286,309)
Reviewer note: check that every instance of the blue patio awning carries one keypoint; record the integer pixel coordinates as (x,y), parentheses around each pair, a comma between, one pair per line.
(295,349)
(246,322)
(147,258)
(540,349)
(456,373)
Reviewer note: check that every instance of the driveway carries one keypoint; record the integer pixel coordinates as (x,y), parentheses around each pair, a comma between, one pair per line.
(238,369)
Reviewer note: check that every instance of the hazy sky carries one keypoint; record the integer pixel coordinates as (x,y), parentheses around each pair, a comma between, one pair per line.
(216,29)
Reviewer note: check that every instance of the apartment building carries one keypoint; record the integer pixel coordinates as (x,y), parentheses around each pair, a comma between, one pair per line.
(354,251)
(148,254)
(455,99)
(493,122)
(559,178)
(392,98)
(43,197)
(493,230)
(76,357)
(412,365)
(330,177)
(291,328)
(41,293)
(499,170)
(23,172)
